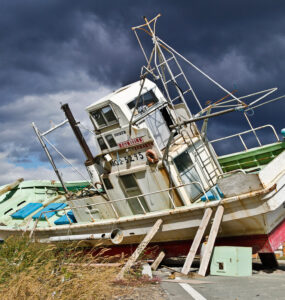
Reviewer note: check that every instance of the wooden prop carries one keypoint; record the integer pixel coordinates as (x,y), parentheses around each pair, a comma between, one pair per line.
(11,186)
(211,241)
(197,240)
(139,249)
(157,261)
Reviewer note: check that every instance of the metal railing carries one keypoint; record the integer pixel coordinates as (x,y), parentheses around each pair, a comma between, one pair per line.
(245,132)
(112,202)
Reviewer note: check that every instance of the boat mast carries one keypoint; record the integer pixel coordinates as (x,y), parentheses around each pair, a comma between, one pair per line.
(39,135)
(89,163)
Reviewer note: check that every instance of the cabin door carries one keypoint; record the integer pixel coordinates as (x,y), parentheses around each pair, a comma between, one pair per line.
(131,189)
(188,174)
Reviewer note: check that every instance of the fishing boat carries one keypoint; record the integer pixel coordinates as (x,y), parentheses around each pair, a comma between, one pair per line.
(156,162)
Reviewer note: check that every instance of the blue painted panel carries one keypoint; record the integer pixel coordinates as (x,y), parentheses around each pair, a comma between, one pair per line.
(63,221)
(26,210)
(214,194)
(71,216)
(209,195)
(52,206)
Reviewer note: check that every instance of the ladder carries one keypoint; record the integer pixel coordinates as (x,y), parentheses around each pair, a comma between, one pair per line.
(162,58)
(169,77)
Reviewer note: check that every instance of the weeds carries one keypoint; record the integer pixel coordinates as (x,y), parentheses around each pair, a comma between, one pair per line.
(31,270)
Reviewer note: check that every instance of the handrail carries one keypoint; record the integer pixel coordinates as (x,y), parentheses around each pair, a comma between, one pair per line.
(111,202)
(244,132)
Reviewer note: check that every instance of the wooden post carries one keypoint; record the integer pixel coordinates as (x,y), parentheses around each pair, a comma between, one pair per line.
(197,240)
(11,186)
(140,248)
(157,261)
(211,241)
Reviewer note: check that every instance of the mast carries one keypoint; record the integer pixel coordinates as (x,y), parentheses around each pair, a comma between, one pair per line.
(39,135)
(89,163)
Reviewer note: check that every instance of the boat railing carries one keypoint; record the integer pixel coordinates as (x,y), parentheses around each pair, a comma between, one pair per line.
(112,202)
(253,130)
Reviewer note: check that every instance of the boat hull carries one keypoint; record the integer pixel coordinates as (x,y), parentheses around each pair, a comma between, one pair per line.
(254,219)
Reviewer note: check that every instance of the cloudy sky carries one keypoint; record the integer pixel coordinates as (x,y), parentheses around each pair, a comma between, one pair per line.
(60,51)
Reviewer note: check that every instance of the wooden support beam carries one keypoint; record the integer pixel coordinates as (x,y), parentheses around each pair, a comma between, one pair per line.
(11,186)
(211,241)
(197,241)
(140,248)
(157,261)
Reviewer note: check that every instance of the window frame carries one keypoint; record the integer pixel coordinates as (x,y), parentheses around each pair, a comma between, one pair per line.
(100,109)
(101,137)
(108,144)
(147,107)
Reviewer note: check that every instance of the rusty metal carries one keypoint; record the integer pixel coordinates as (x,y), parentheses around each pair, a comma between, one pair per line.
(39,135)
(78,134)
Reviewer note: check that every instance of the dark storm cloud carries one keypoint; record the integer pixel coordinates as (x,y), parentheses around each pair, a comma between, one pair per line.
(42,42)
(57,47)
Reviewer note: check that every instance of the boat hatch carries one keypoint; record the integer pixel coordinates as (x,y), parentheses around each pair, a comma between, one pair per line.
(48,212)
(26,210)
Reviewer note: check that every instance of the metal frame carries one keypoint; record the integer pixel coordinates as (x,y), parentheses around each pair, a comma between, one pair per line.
(248,131)
(108,123)
(43,140)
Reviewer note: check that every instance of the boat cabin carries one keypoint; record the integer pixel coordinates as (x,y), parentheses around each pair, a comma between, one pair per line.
(141,170)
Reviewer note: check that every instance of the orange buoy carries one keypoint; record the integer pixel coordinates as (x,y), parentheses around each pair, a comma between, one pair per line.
(151,156)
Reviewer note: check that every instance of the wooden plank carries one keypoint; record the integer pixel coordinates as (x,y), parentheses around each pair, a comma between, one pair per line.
(197,241)
(140,248)
(211,241)
(189,281)
(11,186)
(93,265)
(157,261)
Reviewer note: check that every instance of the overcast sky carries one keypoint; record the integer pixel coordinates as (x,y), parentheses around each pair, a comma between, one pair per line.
(60,51)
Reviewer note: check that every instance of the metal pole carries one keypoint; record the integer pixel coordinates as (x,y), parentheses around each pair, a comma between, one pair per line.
(49,157)
(78,134)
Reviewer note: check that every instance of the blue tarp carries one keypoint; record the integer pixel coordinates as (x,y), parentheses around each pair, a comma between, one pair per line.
(52,206)
(64,220)
(26,210)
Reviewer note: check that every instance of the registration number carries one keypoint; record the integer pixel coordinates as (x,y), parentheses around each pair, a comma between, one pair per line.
(127,159)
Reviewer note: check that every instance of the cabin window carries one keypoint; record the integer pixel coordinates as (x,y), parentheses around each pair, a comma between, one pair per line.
(97,115)
(183,162)
(110,140)
(146,101)
(104,116)
(102,143)
(188,174)
(132,189)
(108,114)
(107,183)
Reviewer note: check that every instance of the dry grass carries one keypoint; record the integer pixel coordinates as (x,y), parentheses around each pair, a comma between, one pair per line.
(56,271)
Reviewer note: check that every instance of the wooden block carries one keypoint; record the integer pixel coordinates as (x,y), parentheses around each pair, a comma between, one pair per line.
(157,261)
(211,241)
(197,240)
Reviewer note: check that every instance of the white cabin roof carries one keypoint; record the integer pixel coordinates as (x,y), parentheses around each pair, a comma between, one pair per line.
(123,95)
